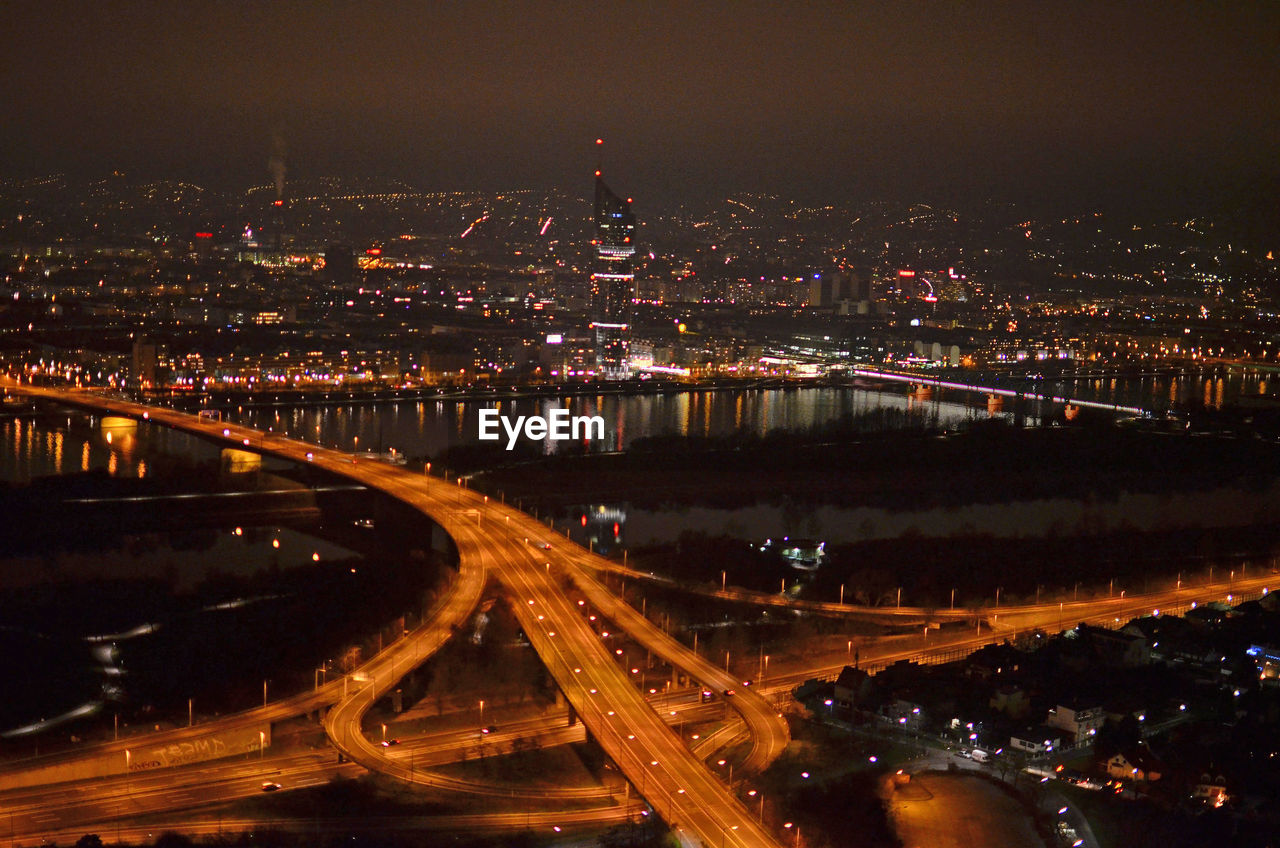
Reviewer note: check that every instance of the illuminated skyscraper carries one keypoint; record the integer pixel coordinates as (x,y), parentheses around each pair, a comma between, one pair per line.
(613,282)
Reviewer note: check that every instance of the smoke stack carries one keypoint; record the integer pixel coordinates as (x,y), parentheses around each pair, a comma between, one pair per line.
(276,163)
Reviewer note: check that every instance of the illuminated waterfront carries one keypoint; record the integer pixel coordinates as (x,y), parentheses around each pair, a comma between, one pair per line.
(423,428)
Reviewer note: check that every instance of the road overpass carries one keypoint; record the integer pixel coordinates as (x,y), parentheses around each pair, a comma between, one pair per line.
(697,806)
(67,810)
(1010,615)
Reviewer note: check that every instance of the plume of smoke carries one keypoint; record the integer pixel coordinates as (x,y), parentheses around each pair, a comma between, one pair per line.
(276,163)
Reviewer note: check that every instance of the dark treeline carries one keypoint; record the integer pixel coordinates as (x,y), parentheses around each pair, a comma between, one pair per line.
(861,463)
(928,568)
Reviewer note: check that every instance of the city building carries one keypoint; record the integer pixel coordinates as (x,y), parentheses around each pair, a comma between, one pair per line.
(612,281)
(150,363)
(846,291)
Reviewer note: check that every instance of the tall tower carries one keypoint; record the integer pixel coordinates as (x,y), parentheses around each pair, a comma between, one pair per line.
(613,281)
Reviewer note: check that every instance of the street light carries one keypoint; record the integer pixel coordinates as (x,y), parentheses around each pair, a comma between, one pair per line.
(721,763)
(752,793)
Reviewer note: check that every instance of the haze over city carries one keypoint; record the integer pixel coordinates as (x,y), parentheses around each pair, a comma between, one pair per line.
(1082,103)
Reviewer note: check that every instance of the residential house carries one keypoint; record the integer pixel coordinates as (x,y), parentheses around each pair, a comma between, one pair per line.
(993,661)
(1128,648)
(1037,740)
(1136,764)
(1079,720)
(1211,789)
(853,688)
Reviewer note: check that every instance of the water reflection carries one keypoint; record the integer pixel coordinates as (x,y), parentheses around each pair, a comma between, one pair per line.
(435,426)
(39,447)
(428,427)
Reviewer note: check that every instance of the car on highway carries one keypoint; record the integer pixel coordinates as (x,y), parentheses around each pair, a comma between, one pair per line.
(387,743)
(270,786)
(728,692)
(310,456)
(546,546)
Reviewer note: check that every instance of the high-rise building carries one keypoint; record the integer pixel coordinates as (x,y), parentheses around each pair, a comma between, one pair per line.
(150,363)
(613,282)
(833,288)
(339,265)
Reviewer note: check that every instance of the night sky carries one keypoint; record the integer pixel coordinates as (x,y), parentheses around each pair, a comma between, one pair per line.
(1070,101)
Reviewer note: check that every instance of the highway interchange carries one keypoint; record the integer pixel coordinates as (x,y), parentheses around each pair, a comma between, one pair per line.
(552,586)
